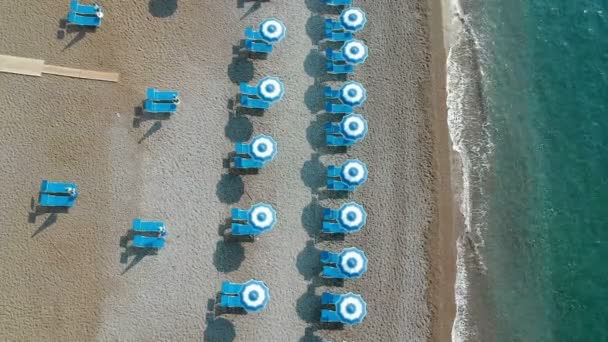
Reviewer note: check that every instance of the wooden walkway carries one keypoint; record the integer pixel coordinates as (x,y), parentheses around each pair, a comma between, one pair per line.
(36,67)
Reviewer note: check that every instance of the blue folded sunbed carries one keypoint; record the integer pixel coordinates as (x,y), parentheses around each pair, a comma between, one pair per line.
(162,95)
(83,20)
(242,148)
(247,89)
(84,9)
(332,25)
(57,187)
(247,163)
(47,200)
(335,56)
(330,93)
(142,241)
(249,102)
(337,2)
(337,185)
(338,108)
(333,68)
(330,214)
(239,214)
(160,107)
(334,228)
(336,140)
(244,229)
(251,33)
(339,36)
(257,47)
(333,171)
(148,226)
(231,288)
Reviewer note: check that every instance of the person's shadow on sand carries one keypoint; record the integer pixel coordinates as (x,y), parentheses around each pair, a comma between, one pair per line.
(130,251)
(162,8)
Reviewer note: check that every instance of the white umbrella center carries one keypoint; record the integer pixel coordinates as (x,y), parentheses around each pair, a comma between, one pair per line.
(270,88)
(352,17)
(352,216)
(353,172)
(354,50)
(353,126)
(272,29)
(352,262)
(262,217)
(351,308)
(352,92)
(253,295)
(262,147)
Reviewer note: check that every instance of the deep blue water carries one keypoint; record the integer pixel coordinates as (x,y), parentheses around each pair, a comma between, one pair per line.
(541,271)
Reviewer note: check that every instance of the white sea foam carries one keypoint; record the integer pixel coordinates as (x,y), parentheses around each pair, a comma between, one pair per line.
(470,138)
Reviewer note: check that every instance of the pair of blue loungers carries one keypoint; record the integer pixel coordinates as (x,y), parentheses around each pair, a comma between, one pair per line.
(254,221)
(57,194)
(161,101)
(85,15)
(270,31)
(149,234)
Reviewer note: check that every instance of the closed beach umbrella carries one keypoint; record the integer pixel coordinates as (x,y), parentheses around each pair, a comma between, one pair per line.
(351,308)
(262,216)
(272,30)
(353,19)
(254,295)
(271,89)
(353,93)
(353,126)
(354,51)
(352,216)
(354,172)
(263,148)
(352,262)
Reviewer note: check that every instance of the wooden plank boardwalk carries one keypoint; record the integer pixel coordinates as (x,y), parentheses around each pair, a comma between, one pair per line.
(36,67)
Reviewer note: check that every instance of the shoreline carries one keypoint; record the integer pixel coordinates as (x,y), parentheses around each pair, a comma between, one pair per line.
(443,239)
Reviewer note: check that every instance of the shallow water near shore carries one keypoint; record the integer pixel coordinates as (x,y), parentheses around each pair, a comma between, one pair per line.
(526,89)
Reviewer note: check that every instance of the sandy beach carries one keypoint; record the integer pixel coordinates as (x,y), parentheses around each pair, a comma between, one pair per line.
(69,276)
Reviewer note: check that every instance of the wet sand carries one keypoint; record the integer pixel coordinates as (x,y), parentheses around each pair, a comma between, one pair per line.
(69,276)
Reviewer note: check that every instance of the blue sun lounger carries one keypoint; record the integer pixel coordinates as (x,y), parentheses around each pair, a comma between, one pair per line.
(339,36)
(162,95)
(142,241)
(333,25)
(333,228)
(244,229)
(333,181)
(160,107)
(252,34)
(57,187)
(257,47)
(335,56)
(83,20)
(48,200)
(333,68)
(247,89)
(328,257)
(247,163)
(141,226)
(83,9)
(249,102)
(338,141)
(338,108)
(331,93)
(337,2)
(238,214)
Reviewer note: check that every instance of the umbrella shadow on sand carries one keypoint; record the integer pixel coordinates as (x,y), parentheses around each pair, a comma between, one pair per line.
(312,219)
(315,134)
(241,69)
(239,128)
(316,6)
(314,97)
(307,261)
(162,8)
(313,173)
(315,28)
(137,253)
(230,188)
(228,255)
(218,329)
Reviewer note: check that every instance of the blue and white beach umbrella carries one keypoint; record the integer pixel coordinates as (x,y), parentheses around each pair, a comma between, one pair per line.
(262,216)
(353,126)
(254,295)
(354,51)
(352,216)
(353,19)
(354,172)
(263,148)
(272,30)
(271,89)
(352,262)
(353,93)
(351,308)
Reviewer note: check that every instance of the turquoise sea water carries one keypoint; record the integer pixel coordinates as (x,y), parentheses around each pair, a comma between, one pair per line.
(534,137)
